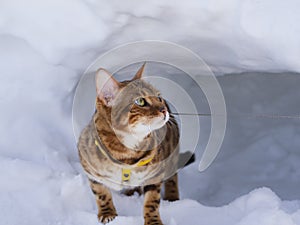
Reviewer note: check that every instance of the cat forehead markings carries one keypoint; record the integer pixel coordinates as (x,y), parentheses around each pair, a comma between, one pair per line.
(138,88)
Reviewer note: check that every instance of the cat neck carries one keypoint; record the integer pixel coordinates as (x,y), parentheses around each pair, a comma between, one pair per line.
(133,141)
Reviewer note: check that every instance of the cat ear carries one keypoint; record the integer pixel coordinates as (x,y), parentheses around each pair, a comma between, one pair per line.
(107,87)
(139,73)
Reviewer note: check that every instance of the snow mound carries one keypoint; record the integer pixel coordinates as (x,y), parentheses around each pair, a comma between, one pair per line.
(67,200)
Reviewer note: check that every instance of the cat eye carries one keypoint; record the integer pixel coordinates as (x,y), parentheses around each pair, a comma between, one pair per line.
(140,102)
(159,98)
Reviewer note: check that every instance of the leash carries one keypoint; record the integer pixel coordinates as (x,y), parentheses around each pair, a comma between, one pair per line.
(249,116)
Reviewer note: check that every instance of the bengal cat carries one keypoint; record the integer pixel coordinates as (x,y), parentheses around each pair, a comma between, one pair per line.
(131,144)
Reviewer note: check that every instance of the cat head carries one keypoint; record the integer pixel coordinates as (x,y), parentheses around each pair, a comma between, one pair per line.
(136,107)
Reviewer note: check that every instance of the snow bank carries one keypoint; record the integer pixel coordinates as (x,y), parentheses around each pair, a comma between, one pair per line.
(46,45)
(230,36)
(260,206)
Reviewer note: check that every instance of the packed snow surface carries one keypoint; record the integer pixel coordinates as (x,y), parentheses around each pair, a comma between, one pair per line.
(46,45)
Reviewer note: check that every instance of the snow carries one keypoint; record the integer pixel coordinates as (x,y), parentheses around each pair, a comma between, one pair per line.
(46,45)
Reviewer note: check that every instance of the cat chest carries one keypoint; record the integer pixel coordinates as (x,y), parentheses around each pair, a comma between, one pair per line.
(117,177)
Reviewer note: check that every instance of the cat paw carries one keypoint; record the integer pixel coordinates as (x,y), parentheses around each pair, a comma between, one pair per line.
(171,198)
(153,221)
(106,217)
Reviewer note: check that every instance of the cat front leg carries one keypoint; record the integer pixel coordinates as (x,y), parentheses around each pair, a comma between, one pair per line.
(106,209)
(151,204)
(171,189)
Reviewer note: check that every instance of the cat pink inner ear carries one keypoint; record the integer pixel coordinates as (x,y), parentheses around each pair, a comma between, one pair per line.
(107,87)
(139,73)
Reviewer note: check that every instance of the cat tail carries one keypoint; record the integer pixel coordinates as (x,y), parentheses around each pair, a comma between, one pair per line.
(186,159)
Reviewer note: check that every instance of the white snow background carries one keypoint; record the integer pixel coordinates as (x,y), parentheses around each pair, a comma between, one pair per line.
(45,46)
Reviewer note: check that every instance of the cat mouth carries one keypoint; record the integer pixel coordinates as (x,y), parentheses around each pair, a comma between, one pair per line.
(166,116)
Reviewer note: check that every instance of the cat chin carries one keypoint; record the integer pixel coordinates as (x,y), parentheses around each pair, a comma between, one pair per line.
(157,125)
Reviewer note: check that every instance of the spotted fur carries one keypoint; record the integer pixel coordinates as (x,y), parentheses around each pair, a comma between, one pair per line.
(129,133)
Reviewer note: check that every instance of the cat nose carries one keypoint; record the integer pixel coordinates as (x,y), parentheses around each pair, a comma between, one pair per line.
(163,110)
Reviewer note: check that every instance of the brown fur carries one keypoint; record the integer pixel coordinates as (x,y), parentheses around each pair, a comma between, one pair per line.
(117,113)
